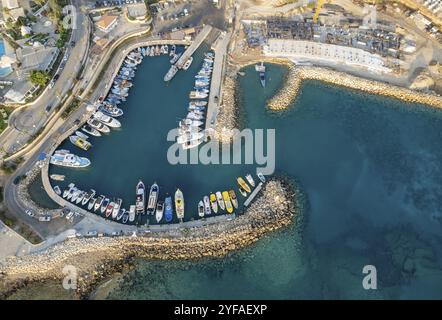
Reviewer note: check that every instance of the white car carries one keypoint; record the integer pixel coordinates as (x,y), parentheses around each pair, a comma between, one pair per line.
(30,213)
(69,215)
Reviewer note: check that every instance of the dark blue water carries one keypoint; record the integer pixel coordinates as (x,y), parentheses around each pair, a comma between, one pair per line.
(370,169)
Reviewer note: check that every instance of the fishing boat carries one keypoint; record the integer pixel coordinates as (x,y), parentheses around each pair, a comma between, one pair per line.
(201,83)
(233,198)
(250,179)
(140,201)
(190,137)
(66,159)
(93,132)
(80,142)
(159,211)
(179,204)
(261,177)
(94,123)
(105,119)
(57,177)
(126,216)
(192,144)
(153,197)
(243,184)
(194,116)
(82,135)
(80,197)
(220,200)
(168,212)
(104,205)
(68,190)
(187,63)
(109,209)
(57,190)
(110,110)
(227,201)
(243,192)
(88,197)
(120,214)
(117,207)
(190,122)
(200,103)
(171,73)
(213,203)
(172,50)
(132,213)
(201,209)
(261,69)
(99,202)
(197,95)
(91,203)
(207,210)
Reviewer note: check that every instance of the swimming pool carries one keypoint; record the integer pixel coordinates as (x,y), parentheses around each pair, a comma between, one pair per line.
(7,70)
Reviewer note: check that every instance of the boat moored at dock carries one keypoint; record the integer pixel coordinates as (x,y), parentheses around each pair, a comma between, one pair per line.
(66,159)
(179,204)
(140,201)
(153,197)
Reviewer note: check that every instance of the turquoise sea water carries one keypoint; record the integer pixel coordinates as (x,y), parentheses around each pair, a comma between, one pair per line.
(370,169)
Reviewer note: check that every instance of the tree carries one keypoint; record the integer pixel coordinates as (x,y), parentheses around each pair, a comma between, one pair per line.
(39,78)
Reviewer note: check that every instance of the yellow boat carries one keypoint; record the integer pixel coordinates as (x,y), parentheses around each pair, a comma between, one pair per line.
(213,203)
(227,201)
(80,142)
(243,184)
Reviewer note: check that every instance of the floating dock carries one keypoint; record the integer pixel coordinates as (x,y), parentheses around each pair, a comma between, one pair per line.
(253,194)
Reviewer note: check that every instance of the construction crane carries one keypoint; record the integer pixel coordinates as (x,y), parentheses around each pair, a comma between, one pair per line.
(318,8)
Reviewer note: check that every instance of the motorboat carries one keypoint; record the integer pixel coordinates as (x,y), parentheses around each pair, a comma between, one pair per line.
(179,204)
(227,201)
(171,73)
(261,177)
(207,210)
(79,197)
(57,190)
(94,123)
(91,203)
(243,192)
(88,197)
(57,177)
(82,135)
(80,142)
(220,200)
(92,131)
(243,184)
(168,211)
(140,201)
(125,217)
(233,198)
(159,211)
(250,179)
(99,202)
(104,205)
(105,119)
(201,209)
(213,203)
(153,197)
(132,213)
(187,63)
(110,110)
(188,137)
(109,209)
(120,214)
(66,159)
(68,190)
(117,208)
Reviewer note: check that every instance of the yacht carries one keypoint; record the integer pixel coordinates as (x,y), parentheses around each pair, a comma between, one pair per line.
(153,197)
(104,205)
(80,197)
(168,212)
(98,203)
(117,207)
(94,123)
(220,200)
(88,197)
(213,203)
(175,58)
(109,121)
(120,214)
(109,209)
(233,198)
(68,190)
(201,209)
(159,211)
(91,203)
(207,210)
(126,216)
(66,159)
(80,142)
(92,131)
(179,204)
(227,201)
(171,73)
(197,95)
(110,110)
(187,137)
(71,192)
(140,201)
(82,135)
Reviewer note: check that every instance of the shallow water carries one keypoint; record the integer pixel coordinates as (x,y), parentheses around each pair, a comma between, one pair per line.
(370,168)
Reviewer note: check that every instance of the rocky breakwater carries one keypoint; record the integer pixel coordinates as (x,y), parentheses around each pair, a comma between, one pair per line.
(286,95)
(97,258)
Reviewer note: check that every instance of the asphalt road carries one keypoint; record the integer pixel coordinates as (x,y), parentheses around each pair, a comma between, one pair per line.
(25,122)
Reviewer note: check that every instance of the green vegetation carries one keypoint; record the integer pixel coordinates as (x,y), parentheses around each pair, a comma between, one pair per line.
(9,167)
(4,115)
(1,194)
(20,227)
(39,78)
(71,108)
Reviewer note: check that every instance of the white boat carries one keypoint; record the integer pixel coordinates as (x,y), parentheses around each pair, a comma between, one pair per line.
(159,211)
(68,190)
(190,136)
(191,123)
(192,144)
(207,210)
(187,63)
(219,198)
(201,209)
(88,197)
(116,208)
(197,95)
(57,177)
(171,73)
(179,204)
(194,116)
(91,203)
(175,58)
(94,123)
(109,121)
(140,202)
(92,131)
(71,192)
(82,135)
(66,159)
(261,177)
(132,213)
(250,179)
(57,190)
(213,203)
(153,197)
(99,202)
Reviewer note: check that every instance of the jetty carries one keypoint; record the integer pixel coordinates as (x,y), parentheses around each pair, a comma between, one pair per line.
(220,49)
(253,194)
(202,35)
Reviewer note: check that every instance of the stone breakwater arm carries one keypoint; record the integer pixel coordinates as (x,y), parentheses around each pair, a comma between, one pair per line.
(286,95)
(274,209)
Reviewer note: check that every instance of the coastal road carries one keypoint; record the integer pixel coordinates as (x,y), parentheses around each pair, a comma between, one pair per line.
(27,121)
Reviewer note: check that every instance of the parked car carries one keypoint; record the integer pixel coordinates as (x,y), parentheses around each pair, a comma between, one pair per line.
(44,218)
(30,213)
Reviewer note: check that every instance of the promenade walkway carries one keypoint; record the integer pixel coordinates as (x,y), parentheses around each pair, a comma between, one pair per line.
(253,194)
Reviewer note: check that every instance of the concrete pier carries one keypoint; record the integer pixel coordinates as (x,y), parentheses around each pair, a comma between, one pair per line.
(195,44)
(253,194)
(220,49)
